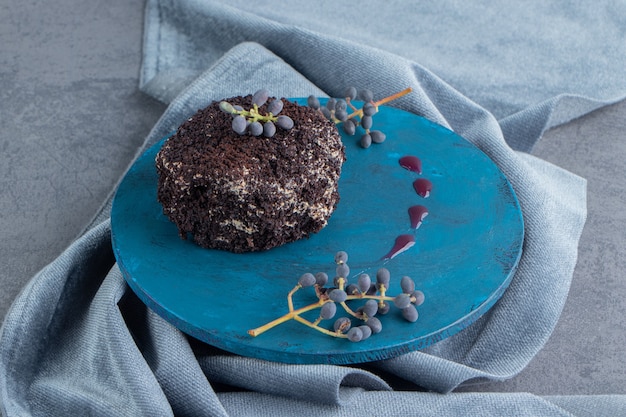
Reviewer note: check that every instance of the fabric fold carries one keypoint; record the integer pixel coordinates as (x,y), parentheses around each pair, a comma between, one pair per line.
(185,37)
(316,383)
(429,404)
(77,341)
(170,357)
(74,359)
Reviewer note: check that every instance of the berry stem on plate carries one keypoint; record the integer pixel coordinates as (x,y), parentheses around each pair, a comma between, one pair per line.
(289,316)
(359,112)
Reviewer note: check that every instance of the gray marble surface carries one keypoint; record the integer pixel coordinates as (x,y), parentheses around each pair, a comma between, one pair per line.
(71,119)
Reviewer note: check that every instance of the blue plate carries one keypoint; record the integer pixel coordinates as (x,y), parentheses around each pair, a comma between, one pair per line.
(463,257)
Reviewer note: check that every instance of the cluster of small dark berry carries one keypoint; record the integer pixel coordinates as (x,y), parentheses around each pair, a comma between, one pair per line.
(337,111)
(255,123)
(378,302)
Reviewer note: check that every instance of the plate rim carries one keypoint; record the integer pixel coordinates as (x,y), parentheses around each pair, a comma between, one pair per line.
(310,358)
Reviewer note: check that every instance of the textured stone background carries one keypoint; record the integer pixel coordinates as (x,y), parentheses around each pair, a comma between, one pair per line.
(71,119)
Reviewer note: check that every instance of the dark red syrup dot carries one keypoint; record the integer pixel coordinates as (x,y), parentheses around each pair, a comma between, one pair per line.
(423,187)
(402,243)
(417,214)
(412,163)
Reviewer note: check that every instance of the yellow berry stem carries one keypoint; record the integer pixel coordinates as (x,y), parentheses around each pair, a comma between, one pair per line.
(290,315)
(359,112)
(349,310)
(295,314)
(349,102)
(290,295)
(341,282)
(393,97)
(318,328)
(254,115)
(383,291)
(369,297)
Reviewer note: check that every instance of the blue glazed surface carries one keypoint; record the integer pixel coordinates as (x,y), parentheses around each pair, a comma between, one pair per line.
(464,255)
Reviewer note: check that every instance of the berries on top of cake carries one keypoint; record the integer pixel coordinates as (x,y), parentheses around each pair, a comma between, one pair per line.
(244,192)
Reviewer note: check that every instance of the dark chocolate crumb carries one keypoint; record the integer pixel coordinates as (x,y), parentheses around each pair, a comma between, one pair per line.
(246,193)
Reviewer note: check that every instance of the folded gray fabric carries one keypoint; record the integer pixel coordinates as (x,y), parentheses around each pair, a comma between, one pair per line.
(78,342)
(546,63)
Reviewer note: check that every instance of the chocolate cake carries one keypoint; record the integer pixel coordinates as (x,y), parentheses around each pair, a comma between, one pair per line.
(244,193)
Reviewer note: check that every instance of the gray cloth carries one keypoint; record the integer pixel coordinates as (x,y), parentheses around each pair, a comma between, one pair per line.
(77,341)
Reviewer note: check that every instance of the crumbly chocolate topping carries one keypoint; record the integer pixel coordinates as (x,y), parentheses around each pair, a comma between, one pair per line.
(247,193)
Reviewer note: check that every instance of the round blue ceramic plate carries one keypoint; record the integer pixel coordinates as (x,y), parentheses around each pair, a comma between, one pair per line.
(463,257)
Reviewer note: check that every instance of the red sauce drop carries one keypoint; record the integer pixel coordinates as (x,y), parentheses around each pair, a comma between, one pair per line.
(403,243)
(417,214)
(423,187)
(412,163)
